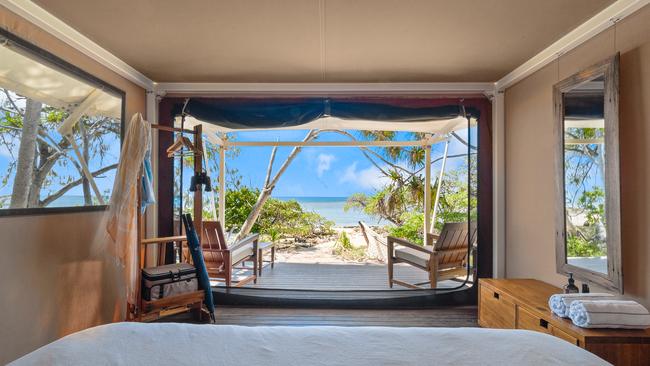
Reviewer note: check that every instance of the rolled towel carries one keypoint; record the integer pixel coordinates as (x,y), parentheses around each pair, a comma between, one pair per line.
(560,303)
(609,314)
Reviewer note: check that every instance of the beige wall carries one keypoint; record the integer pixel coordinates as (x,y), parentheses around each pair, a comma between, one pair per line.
(49,284)
(530,192)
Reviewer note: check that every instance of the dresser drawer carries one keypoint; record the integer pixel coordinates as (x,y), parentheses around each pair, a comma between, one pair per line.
(564,335)
(495,309)
(529,321)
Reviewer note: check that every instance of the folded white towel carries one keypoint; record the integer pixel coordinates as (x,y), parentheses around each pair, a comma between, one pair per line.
(609,314)
(560,303)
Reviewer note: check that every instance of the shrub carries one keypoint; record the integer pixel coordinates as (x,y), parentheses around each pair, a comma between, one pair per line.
(278,218)
(411,228)
(580,247)
(344,249)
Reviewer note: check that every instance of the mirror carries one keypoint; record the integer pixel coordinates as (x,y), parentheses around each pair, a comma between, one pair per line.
(588,190)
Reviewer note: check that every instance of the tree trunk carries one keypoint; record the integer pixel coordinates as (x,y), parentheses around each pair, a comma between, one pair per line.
(268,188)
(26,155)
(85,184)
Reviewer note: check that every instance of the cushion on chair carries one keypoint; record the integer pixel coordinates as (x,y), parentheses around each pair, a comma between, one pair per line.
(414,256)
(241,252)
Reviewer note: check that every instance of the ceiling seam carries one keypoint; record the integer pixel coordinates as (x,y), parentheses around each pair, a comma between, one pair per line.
(323,40)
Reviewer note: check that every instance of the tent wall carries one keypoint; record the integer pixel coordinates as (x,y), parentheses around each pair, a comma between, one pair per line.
(529,144)
(50,287)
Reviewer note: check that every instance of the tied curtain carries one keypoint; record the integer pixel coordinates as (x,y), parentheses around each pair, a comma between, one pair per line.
(121,217)
(255,113)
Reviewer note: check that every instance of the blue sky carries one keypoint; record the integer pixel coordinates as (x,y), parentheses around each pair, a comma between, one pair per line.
(318,171)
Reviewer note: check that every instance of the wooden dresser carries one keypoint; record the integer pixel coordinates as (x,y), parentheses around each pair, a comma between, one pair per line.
(523,304)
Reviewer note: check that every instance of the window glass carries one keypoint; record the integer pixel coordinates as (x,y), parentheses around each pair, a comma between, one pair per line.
(59,135)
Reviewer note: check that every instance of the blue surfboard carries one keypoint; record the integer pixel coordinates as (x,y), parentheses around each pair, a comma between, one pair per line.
(197,257)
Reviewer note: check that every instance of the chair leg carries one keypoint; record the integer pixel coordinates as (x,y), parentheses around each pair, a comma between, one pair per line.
(272,256)
(255,267)
(433,271)
(260,262)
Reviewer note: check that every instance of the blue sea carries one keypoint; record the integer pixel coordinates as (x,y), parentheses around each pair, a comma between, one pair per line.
(329,207)
(332,209)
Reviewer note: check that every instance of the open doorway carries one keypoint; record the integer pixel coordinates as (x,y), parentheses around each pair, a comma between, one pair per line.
(326,194)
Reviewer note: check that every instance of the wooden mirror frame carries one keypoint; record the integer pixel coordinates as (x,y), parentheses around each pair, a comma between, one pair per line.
(613,280)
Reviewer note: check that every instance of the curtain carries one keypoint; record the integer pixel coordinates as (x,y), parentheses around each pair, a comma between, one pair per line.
(122,213)
(248,113)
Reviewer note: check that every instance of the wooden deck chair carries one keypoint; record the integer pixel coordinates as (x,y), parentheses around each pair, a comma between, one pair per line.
(222,259)
(446,260)
(375,243)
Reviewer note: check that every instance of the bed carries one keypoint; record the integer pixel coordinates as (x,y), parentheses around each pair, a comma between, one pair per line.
(178,344)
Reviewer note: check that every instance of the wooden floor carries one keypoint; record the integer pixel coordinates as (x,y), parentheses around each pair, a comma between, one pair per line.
(337,277)
(441,317)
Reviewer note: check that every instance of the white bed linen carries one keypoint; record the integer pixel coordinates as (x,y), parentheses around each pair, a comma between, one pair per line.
(181,344)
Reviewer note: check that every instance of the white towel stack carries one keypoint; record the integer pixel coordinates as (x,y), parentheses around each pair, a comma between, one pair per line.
(560,303)
(609,314)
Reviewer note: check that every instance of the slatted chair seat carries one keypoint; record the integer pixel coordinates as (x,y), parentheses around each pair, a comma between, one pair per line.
(446,259)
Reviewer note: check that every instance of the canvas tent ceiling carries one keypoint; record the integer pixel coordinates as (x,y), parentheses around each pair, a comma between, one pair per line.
(324,40)
(28,77)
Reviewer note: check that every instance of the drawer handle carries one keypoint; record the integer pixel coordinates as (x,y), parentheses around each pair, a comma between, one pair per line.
(496,295)
(543,323)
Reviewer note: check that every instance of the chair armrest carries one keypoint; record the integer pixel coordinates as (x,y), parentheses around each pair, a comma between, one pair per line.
(253,238)
(393,240)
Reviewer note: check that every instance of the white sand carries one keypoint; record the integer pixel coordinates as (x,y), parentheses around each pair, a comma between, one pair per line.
(323,251)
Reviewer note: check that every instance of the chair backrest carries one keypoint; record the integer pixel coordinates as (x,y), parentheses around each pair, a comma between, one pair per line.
(452,244)
(213,237)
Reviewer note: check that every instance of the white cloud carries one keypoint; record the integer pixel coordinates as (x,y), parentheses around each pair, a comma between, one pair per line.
(369,178)
(324,163)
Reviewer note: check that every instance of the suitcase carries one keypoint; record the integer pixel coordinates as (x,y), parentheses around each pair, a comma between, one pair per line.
(167,280)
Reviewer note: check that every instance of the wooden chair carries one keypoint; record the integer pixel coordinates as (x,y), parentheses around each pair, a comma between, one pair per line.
(445,260)
(221,259)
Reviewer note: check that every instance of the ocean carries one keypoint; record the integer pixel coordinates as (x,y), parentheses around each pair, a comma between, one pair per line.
(328,207)
(332,209)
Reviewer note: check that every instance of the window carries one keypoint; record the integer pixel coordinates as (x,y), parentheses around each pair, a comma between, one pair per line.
(60,131)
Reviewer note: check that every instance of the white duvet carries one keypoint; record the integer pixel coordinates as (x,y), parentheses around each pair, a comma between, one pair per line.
(188,344)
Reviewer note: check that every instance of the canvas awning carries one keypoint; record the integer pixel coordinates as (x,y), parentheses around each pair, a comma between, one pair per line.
(36,80)
(219,115)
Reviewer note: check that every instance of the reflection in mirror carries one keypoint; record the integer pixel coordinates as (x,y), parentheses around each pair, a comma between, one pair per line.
(584,176)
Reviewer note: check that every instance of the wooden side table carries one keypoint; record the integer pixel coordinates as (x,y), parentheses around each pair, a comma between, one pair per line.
(261,247)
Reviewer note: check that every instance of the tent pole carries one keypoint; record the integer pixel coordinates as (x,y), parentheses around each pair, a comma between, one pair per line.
(442,173)
(222,185)
(213,207)
(427,193)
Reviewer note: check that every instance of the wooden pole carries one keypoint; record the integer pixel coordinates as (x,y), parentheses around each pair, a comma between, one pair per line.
(435,203)
(198,168)
(222,186)
(427,193)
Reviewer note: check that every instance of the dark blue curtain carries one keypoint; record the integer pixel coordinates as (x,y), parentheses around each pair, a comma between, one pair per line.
(248,113)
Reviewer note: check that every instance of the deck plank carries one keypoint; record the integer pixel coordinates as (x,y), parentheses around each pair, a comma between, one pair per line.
(461,316)
(336,277)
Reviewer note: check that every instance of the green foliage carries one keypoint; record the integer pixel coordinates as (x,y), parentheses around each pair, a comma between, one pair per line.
(278,218)
(578,246)
(411,228)
(593,203)
(344,249)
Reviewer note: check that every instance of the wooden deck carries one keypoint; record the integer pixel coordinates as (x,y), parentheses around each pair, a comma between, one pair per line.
(337,277)
(461,316)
